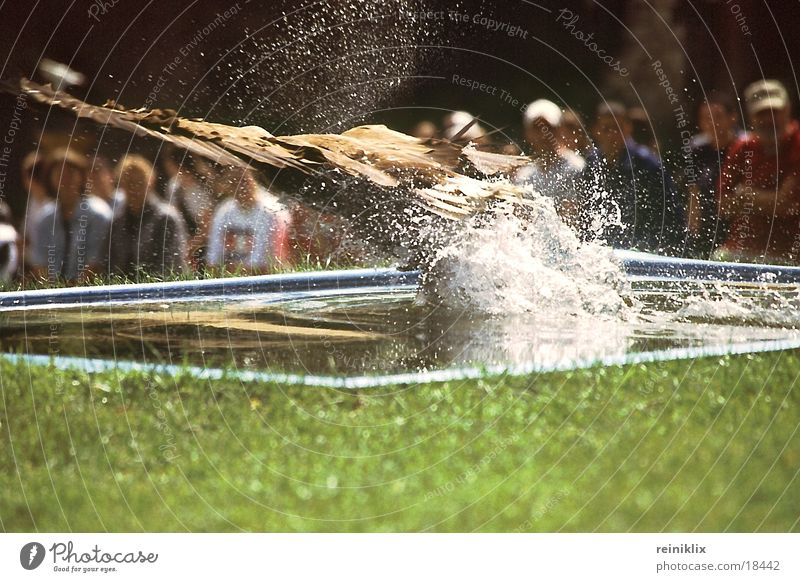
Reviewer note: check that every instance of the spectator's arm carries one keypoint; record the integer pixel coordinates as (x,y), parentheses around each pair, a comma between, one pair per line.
(96,247)
(281,249)
(175,244)
(36,259)
(215,240)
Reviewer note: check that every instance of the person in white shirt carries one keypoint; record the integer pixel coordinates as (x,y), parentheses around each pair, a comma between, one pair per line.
(554,168)
(249,230)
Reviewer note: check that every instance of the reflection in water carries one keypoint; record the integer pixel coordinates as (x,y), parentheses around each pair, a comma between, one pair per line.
(374,333)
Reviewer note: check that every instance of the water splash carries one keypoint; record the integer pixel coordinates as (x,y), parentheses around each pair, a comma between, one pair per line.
(760,304)
(504,264)
(534,263)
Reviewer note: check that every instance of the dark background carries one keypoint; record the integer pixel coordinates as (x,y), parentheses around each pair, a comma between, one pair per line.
(294,66)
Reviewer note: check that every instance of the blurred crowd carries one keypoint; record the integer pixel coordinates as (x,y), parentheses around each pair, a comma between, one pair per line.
(88,217)
(728,191)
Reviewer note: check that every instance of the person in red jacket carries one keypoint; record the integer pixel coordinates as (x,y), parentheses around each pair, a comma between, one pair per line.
(759,190)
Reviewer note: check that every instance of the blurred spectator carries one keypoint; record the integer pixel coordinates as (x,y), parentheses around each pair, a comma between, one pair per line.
(317,238)
(759,188)
(717,120)
(9,245)
(555,169)
(460,126)
(33,179)
(574,134)
(188,192)
(249,229)
(150,236)
(425,130)
(71,232)
(102,184)
(628,199)
(169,161)
(642,129)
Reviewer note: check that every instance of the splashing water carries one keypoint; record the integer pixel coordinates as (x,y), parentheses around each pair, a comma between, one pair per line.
(761,305)
(509,264)
(534,264)
(331,66)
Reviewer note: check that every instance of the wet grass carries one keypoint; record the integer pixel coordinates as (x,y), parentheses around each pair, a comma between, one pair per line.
(707,445)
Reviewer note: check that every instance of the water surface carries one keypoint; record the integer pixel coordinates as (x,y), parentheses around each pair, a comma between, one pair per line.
(374,332)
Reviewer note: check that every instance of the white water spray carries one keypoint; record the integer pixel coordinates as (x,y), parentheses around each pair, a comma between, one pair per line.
(511,264)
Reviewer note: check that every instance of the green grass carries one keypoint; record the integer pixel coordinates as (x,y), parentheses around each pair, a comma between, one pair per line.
(706,445)
(30,283)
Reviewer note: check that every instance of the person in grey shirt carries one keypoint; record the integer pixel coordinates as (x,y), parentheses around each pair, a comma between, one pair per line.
(150,236)
(71,231)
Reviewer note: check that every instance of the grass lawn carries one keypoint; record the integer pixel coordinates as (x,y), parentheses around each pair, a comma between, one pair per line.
(706,445)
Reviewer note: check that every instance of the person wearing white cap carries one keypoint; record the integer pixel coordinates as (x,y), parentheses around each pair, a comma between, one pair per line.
(554,169)
(462,126)
(759,185)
